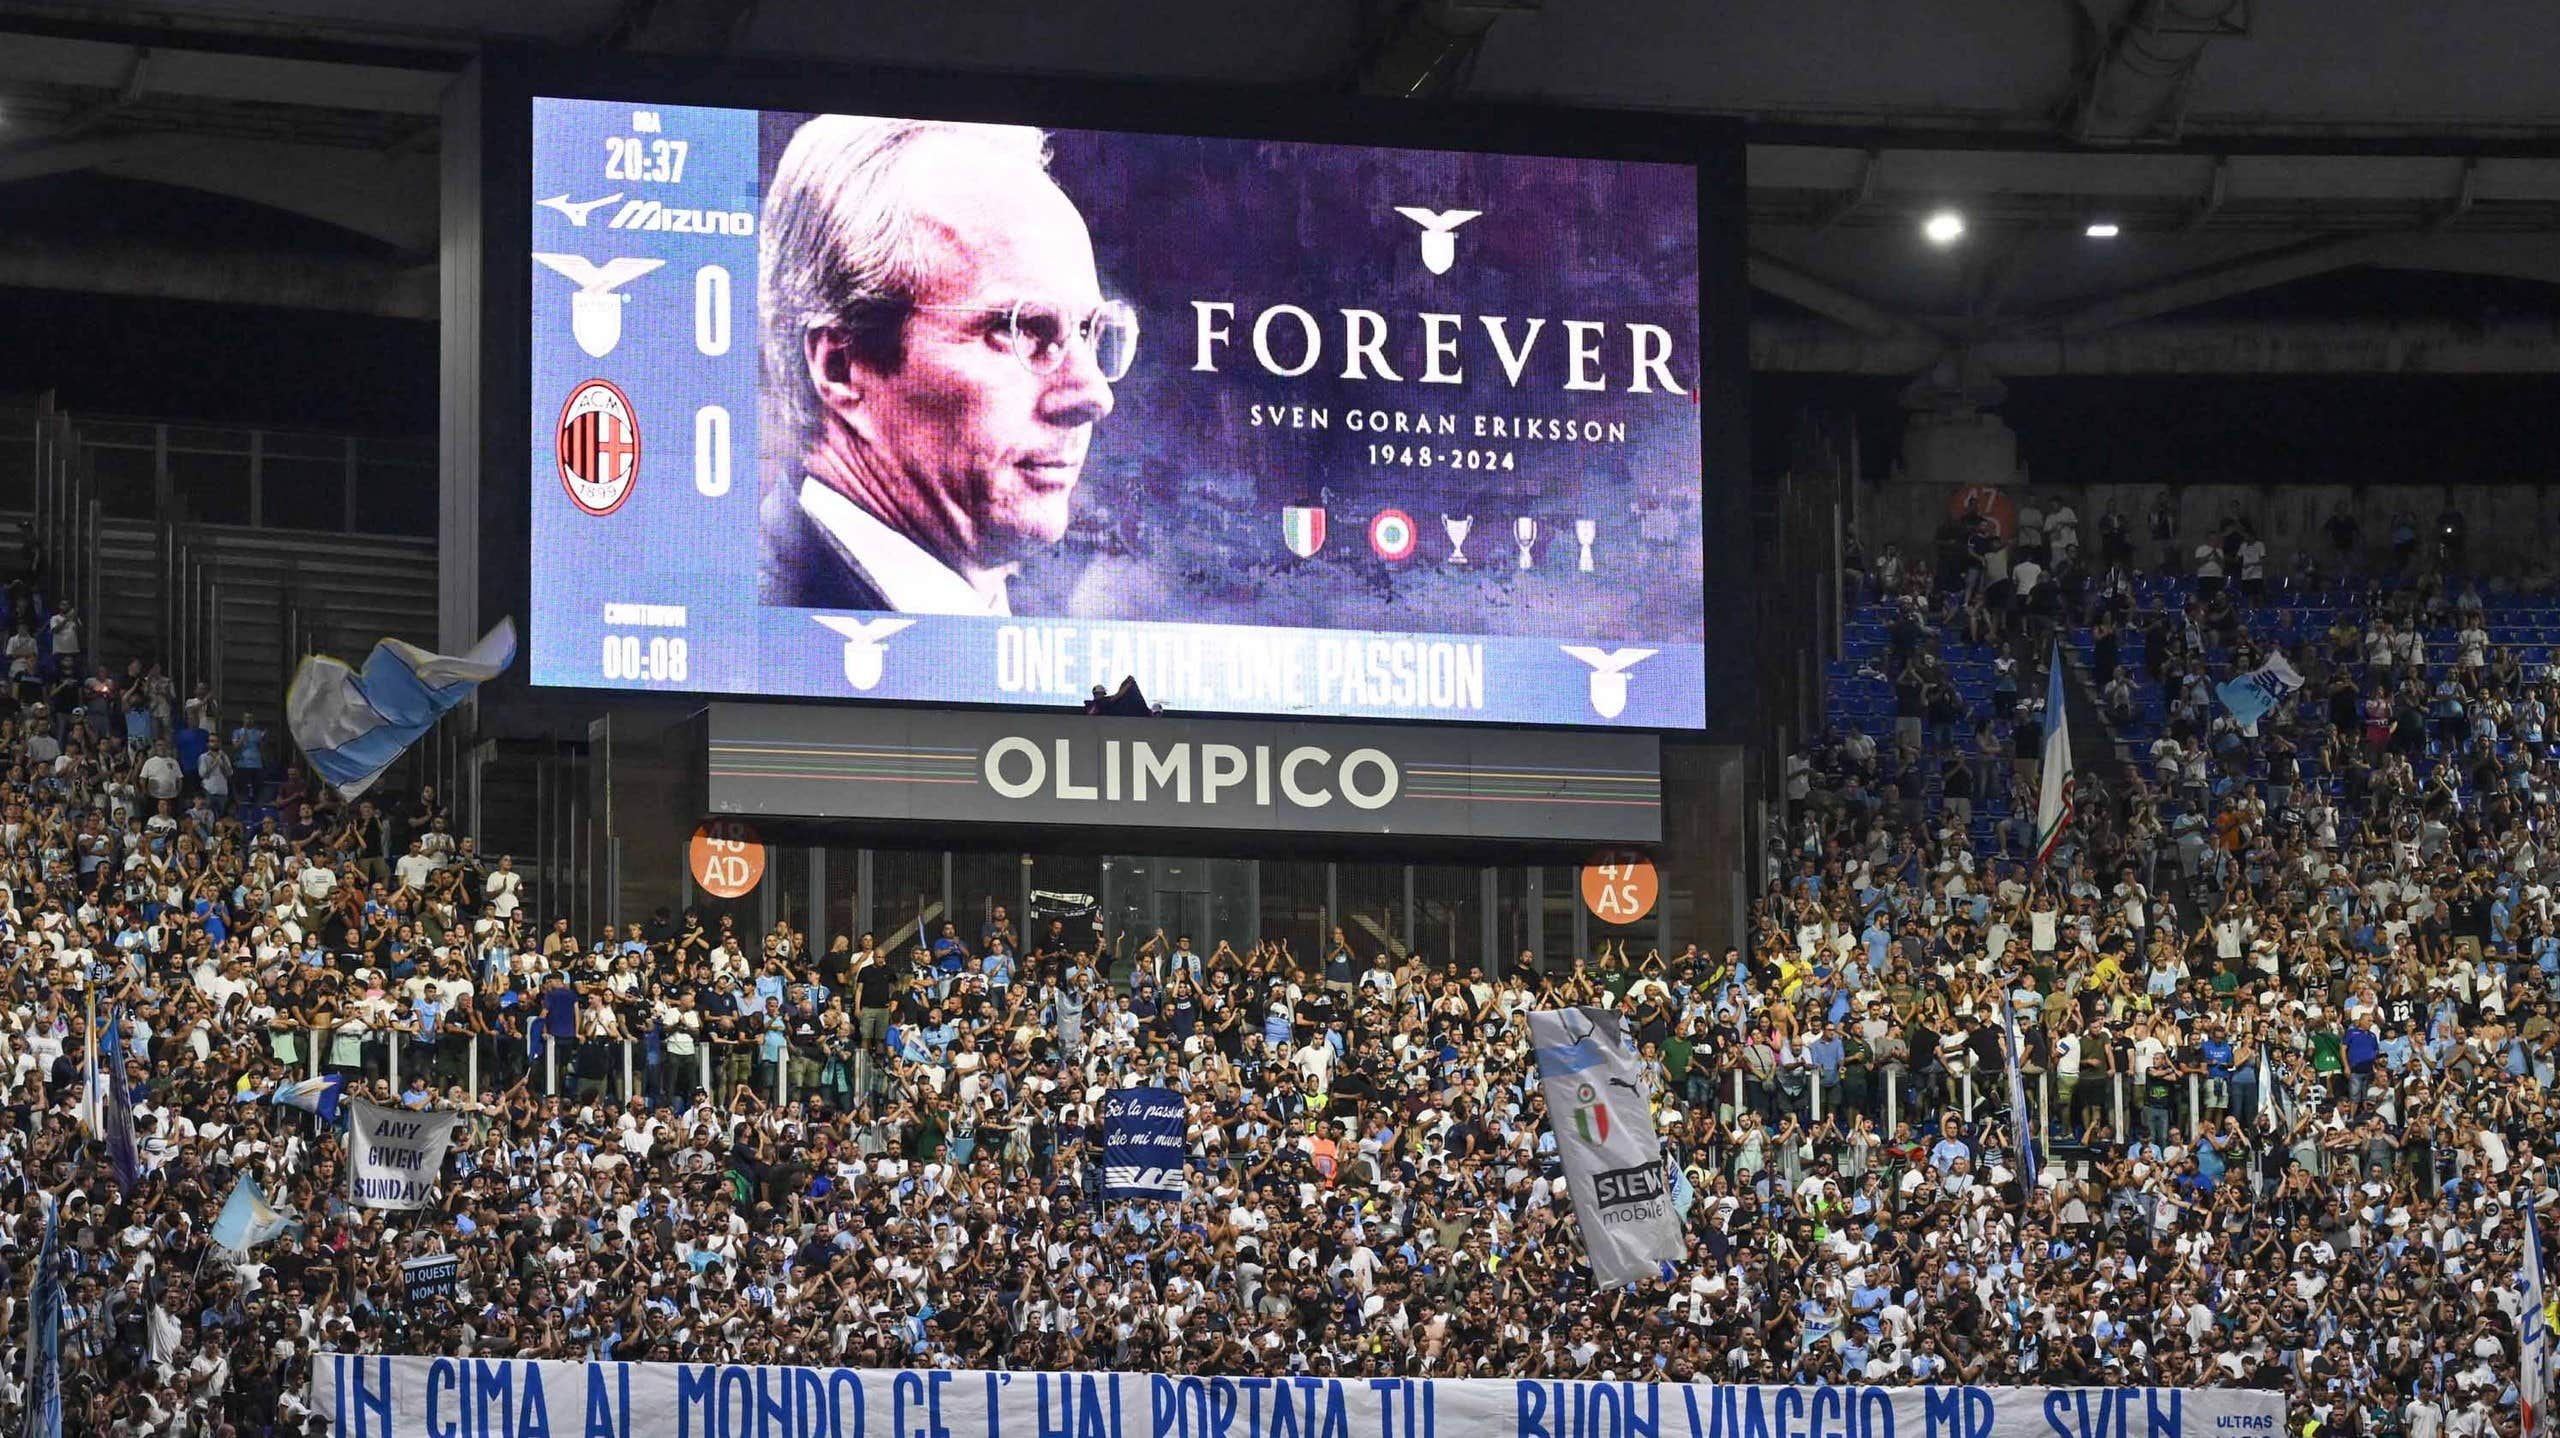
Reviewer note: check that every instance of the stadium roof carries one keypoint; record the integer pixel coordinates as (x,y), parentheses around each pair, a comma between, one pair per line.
(2238,144)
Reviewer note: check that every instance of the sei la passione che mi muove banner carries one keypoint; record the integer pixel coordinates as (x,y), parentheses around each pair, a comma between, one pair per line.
(371,1396)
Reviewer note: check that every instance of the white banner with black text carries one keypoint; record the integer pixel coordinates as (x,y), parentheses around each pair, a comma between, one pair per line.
(369,1396)
(395,1154)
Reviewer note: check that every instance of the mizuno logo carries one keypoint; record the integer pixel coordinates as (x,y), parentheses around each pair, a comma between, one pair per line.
(577,210)
(651,215)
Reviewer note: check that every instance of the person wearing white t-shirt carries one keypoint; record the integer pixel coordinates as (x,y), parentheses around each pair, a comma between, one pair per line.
(415,867)
(504,889)
(2208,567)
(2253,565)
(161,776)
(66,638)
(2062,531)
(214,771)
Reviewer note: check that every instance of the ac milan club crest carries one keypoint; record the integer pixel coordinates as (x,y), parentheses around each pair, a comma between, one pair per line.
(598,447)
(1302,529)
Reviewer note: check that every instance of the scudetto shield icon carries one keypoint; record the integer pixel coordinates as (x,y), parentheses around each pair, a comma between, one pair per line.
(1591,1119)
(1302,529)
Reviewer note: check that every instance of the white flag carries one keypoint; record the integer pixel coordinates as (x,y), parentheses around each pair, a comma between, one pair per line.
(2254,695)
(2054,801)
(395,1154)
(1603,1122)
(2533,1325)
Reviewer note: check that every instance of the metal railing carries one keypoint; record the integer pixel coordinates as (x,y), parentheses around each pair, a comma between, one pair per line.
(65,513)
(190,610)
(72,473)
(613,1069)
(260,478)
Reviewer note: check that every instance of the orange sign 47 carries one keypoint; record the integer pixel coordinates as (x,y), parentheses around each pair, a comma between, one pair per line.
(1620,891)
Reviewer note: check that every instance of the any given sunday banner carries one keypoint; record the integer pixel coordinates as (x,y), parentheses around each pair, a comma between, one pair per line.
(365,1396)
(395,1154)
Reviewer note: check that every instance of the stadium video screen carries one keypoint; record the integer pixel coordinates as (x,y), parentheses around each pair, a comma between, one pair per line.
(854,406)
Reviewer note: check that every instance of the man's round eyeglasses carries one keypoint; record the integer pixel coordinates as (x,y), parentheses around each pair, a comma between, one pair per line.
(1039,334)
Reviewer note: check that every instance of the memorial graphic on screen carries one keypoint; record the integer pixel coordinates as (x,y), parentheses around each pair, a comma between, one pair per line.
(864,407)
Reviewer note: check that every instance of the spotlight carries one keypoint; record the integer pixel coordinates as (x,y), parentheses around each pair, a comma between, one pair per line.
(1944,228)
(2102,230)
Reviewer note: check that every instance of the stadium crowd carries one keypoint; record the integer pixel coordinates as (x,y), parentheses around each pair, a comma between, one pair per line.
(2287,1043)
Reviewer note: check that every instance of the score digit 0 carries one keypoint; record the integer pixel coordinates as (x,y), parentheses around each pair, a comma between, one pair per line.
(711,333)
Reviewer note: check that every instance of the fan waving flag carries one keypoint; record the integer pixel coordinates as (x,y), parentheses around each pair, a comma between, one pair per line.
(353,724)
(2018,1089)
(2053,801)
(2255,695)
(122,1154)
(2275,1111)
(313,1096)
(248,1219)
(1602,1117)
(2533,1327)
(46,1302)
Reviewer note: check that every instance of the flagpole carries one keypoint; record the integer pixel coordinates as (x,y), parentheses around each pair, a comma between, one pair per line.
(89,1075)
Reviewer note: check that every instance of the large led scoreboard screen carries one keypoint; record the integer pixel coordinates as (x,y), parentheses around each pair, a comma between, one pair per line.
(856,406)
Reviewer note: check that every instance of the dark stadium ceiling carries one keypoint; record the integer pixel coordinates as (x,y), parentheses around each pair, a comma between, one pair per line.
(2240,144)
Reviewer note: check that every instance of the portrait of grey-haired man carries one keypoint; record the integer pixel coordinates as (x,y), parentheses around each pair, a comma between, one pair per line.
(937,352)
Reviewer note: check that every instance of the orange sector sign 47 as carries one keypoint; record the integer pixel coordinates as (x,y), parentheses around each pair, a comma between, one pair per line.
(728,858)
(1620,891)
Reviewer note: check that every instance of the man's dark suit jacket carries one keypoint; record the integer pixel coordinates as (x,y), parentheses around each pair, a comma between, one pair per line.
(799,567)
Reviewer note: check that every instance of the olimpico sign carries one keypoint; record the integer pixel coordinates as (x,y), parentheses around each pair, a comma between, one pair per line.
(983,767)
(1307,776)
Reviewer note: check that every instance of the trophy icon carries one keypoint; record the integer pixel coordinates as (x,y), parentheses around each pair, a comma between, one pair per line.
(1457,529)
(1525,531)
(1584,531)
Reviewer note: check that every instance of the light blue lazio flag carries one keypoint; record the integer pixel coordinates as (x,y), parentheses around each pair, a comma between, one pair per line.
(318,1096)
(2254,695)
(2017,1047)
(353,724)
(248,1219)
